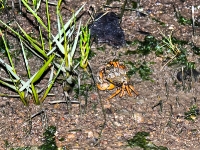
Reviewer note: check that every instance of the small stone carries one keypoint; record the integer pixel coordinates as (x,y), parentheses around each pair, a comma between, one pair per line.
(71,136)
(90,134)
(138,117)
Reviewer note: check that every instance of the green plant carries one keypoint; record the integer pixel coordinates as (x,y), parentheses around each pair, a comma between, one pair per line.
(3,4)
(141,141)
(49,142)
(184,21)
(56,53)
(141,67)
(49,139)
(192,113)
(84,46)
(147,46)
(2,46)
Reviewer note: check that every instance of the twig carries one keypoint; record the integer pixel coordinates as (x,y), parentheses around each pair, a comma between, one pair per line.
(101,103)
(64,101)
(122,10)
(193,25)
(167,62)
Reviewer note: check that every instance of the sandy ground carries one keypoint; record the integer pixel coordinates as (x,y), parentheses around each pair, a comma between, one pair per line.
(89,127)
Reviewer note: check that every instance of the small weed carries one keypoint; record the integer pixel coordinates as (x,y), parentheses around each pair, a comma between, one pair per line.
(144,71)
(174,53)
(181,59)
(134,5)
(192,113)
(49,141)
(140,140)
(3,4)
(49,136)
(141,67)
(148,45)
(84,46)
(6,143)
(169,48)
(132,43)
(183,21)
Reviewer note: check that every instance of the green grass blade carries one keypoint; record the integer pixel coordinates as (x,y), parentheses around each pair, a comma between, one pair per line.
(49,24)
(31,40)
(16,33)
(17,78)
(8,85)
(71,54)
(8,54)
(43,69)
(22,97)
(52,82)
(21,94)
(59,45)
(25,59)
(34,14)
(60,41)
(69,22)
(35,94)
(26,85)
(36,4)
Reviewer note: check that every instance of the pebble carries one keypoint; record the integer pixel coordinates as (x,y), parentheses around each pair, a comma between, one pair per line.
(138,117)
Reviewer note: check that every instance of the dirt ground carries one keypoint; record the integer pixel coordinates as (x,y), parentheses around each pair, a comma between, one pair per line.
(89,128)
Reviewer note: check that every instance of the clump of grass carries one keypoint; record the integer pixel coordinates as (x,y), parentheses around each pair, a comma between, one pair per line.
(140,140)
(57,53)
(171,49)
